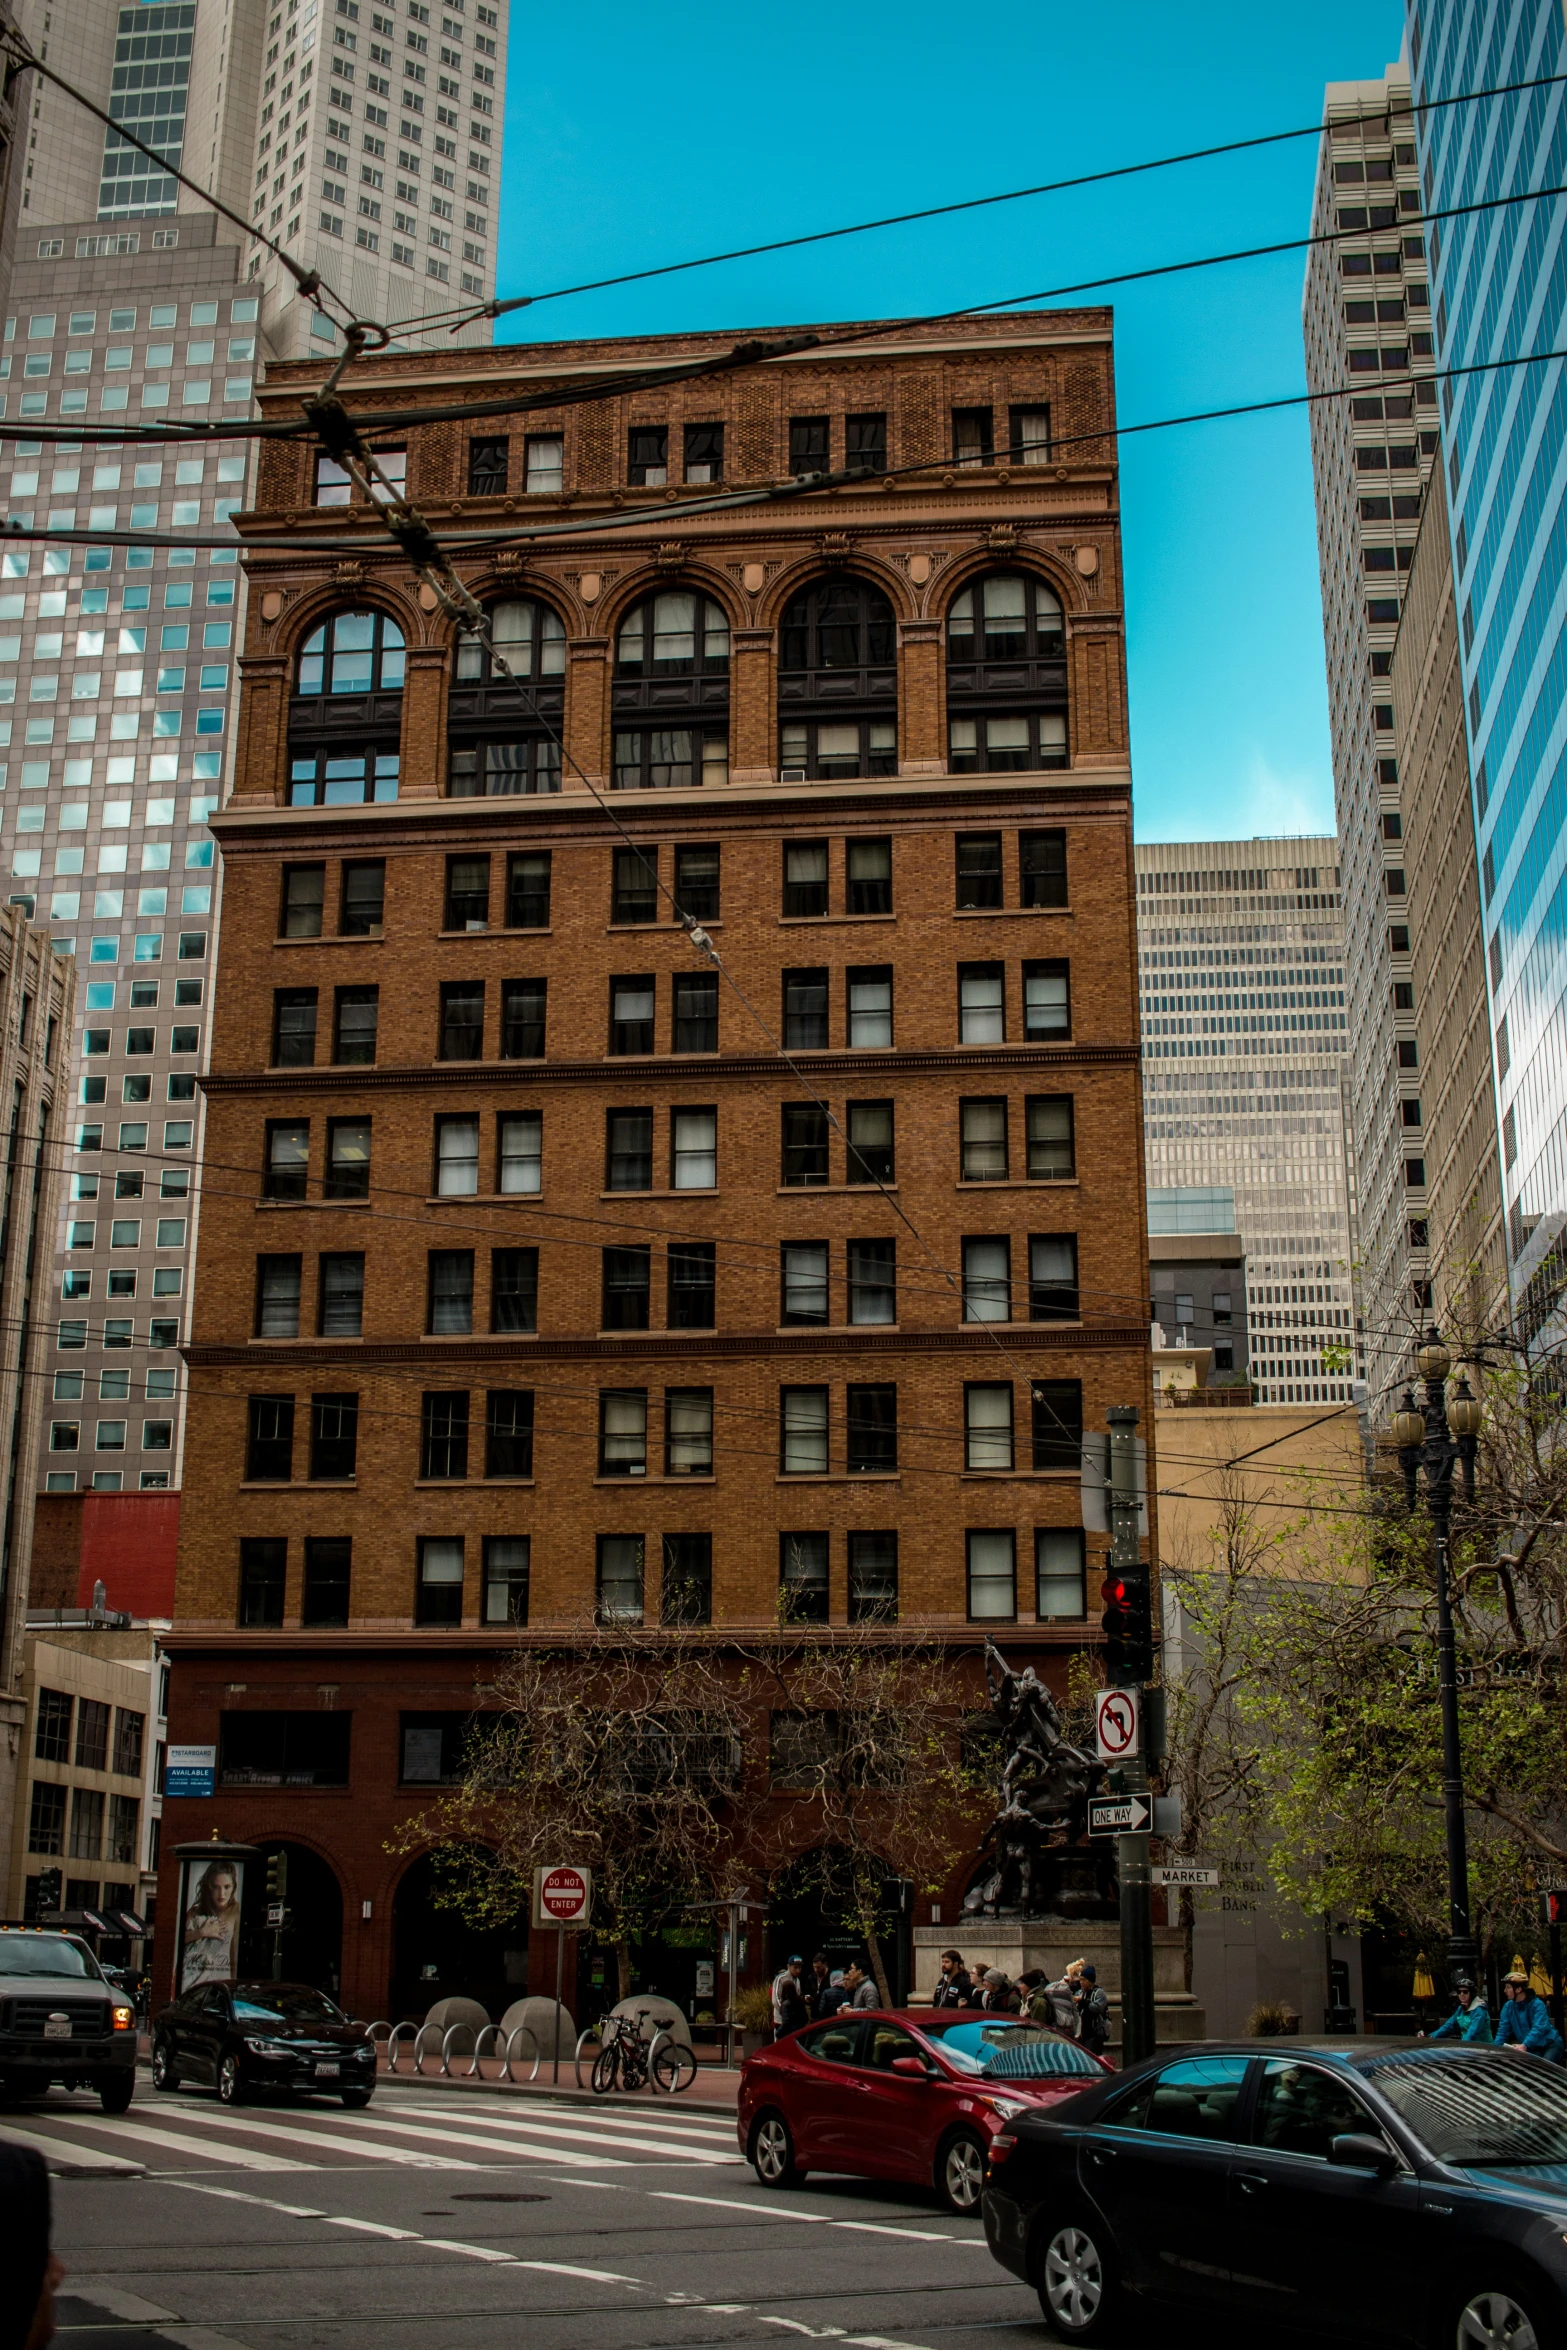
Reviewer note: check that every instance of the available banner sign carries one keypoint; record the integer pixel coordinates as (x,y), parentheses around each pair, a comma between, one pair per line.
(190,1770)
(211,1893)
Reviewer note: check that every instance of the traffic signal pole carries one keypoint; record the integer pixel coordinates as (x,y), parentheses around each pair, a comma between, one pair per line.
(1129,1657)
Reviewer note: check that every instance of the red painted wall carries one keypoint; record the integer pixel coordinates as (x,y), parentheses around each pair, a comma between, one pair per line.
(128,1544)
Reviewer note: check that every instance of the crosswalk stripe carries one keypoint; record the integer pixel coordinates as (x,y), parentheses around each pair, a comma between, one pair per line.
(526,2126)
(457,2138)
(176,2142)
(249,2125)
(655,2117)
(70,2150)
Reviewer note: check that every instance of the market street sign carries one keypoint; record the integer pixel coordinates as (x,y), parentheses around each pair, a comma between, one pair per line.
(1184,1872)
(1120,1815)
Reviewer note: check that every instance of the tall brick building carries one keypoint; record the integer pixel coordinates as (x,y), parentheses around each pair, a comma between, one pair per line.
(534,1283)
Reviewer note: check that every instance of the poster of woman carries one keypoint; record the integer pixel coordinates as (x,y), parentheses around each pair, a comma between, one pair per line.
(209,1946)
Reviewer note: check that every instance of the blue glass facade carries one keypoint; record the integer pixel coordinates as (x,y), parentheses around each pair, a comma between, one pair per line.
(1500,284)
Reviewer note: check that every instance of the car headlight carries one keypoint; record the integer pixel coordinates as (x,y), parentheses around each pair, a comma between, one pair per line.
(1007,2107)
(273,2048)
(124,2019)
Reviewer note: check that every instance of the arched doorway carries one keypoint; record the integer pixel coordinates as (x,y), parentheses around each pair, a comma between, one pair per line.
(806,1914)
(312,1937)
(436,1954)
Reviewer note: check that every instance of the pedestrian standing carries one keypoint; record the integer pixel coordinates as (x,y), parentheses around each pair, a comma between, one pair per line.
(1525,2021)
(816,1989)
(789,2008)
(954,1984)
(1093,2012)
(27,2303)
(1470,2019)
(1001,1993)
(859,1985)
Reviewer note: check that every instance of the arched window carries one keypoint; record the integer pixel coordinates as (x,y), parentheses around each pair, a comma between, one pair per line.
(503,726)
(1006,676)
(838,682)
(346,714)
(670,693)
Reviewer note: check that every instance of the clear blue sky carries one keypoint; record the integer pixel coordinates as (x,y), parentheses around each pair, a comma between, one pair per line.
(637,136)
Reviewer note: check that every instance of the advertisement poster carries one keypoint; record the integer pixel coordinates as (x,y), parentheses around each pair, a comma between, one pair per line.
(209,1921)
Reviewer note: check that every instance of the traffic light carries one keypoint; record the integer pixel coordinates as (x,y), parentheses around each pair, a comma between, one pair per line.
(1127,1600)
(277,1876)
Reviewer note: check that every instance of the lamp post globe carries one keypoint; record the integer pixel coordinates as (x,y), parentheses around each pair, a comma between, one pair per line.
(1434,1361)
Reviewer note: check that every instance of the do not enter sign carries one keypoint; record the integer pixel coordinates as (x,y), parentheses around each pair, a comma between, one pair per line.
(562,1896)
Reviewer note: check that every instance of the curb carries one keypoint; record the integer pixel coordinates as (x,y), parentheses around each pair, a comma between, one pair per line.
(585,2098)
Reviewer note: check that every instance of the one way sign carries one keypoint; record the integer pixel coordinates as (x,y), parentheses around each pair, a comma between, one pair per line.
(1120,1815)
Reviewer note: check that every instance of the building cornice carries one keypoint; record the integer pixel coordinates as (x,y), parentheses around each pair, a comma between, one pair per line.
(658,1345)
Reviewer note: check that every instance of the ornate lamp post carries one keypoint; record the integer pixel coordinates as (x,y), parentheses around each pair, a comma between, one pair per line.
(1435,1439)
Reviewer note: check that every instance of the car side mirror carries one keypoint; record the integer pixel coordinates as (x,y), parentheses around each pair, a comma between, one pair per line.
(912,2068)
(1359,2150)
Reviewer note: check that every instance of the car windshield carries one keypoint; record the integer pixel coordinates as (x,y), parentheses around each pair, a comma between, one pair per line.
(44,1954)
(1011,2050)
(283,2003)
(1480,2111)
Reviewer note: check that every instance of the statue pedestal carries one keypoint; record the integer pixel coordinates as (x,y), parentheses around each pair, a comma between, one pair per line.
(1017,1944)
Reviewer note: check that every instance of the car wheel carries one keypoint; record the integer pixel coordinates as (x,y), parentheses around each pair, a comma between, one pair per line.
(231,2082)
(772,2152)
(357,2097)
(164,2075)
(115,2091)
(1506,2315)
(960,2172)
(1078,2286)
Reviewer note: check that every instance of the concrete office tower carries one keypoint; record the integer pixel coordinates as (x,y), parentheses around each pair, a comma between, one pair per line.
(366,140)
(1367,325)
(1497,279)
(1240,949)
(1456,1160)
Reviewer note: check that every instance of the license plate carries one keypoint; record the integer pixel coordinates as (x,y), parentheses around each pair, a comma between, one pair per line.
(328,2072)
(57,2027)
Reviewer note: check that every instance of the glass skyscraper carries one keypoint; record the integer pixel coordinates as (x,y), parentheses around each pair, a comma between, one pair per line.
(1499,281)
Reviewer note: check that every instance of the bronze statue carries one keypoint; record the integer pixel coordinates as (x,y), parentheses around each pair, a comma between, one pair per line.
(1037,1862)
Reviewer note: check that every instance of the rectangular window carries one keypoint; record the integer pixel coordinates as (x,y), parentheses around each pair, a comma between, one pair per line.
(450,1292)
(873,1578)
(1052,1277)
(803,1413)
(979,870)
(544,465)
(804,1144)
(687,1596)
(522,1019)
(1060,1574)
(293,1027)
(688,1431)
(809,444)
(520,1152)
(456,1157)
(86,1823)
(871,1156)
(269,1448)
(277,1297)
(356,1016)
(130,1736)
(693,1150)
(288,1158)
(1052,1151)
(704,452)
(334,1436)
(1047,1007)
(506,1564)
(488,465)
(1030,436)
(342,1295)
(627,1275)
(865,442)
(1042,858)
(263,1565)
(973,440)
(647,467)
(1058,1424)
(870,876)
(629,1153)
(631,1002)
(697,880)
(46,1819)
(623,1432)
(696,1012)
(462,1020)
(804,1282)
(873,1281)
(620,1578)
(362,912)
(304,893)
(284,1749)
(870,1005)
(438,1599)
(634,894)
(52,1740)
(514,1289)
(92,1735)
(443,1434)
(528,891)
(987,1427)
(508,1432)
(328,1570)
(992,1576)
(987,1280)
(872,1429)
(691,1301)
(982,1017)
(805,1009)
(347,1159)
(805,878)
(803,1587)
(983,1127)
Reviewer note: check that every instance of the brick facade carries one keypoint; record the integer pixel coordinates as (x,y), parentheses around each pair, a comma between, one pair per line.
(921,538)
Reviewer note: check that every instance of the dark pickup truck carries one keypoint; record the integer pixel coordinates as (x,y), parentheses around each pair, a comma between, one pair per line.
(60,2020)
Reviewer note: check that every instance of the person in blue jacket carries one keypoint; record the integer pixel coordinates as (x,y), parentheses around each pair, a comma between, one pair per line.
(1525,2021)
(1470,2019)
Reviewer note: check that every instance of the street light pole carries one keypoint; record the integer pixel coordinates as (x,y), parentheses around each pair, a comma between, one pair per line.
(1434,1440)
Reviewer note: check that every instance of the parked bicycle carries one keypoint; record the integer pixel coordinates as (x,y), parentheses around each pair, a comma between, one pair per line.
(628,2059)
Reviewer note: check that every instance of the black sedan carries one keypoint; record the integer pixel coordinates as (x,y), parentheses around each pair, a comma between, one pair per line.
(239,2037)
(1376,2190)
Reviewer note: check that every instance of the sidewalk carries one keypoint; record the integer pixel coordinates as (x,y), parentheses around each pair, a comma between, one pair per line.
(716,2088)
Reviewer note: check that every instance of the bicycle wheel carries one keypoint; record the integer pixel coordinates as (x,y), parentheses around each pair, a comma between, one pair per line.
(606,2069)
(674,2067)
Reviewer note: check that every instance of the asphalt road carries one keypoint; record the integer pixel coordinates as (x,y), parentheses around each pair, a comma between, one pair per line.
(443,2222)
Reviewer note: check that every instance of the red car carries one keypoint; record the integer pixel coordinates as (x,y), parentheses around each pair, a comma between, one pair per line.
(915,2095)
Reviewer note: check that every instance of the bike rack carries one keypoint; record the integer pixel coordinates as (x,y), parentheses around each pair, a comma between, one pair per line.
(662,2035)
(395,2034)
(589,2032)
(477,2057)
(523,2032)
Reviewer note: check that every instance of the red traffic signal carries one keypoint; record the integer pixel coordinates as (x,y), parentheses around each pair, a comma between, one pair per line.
(1126,1602)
